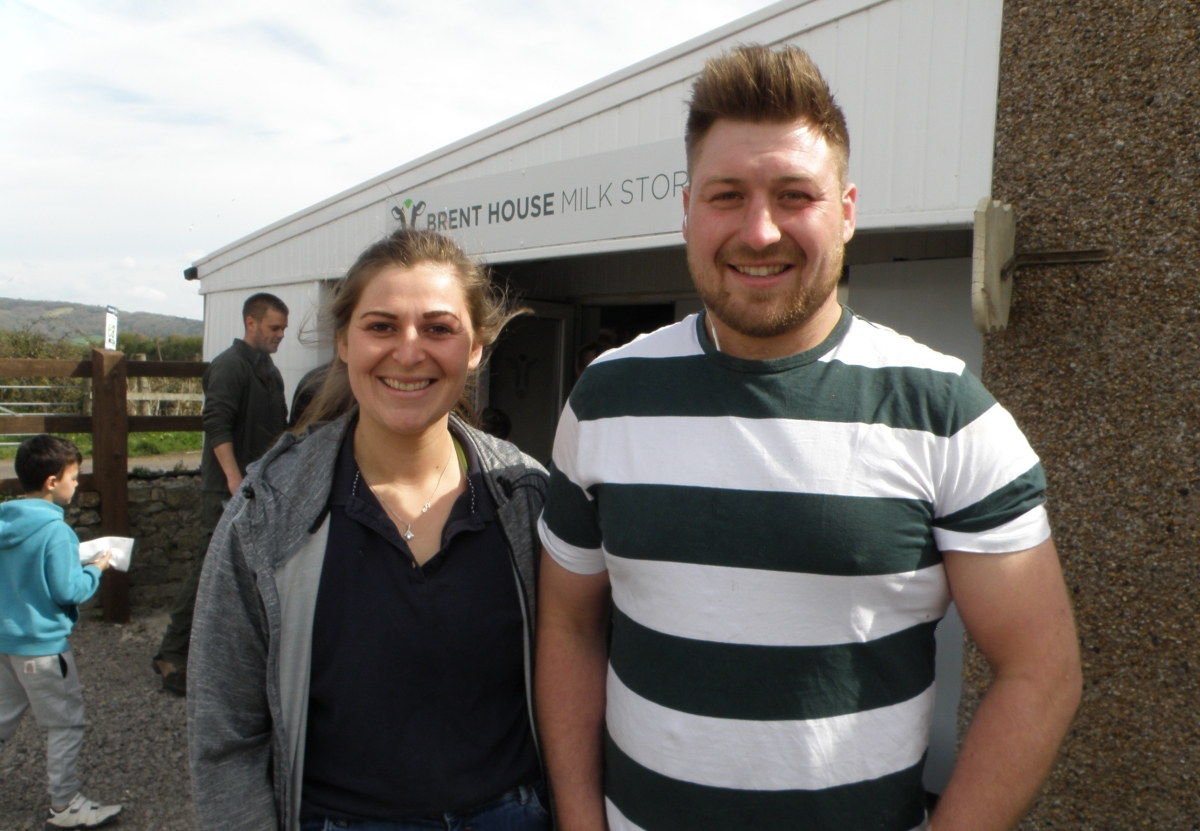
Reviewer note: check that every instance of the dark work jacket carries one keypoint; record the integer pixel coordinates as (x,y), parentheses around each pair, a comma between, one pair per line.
(243,404)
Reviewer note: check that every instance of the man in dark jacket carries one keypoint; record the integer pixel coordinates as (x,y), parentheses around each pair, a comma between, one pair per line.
(244,413)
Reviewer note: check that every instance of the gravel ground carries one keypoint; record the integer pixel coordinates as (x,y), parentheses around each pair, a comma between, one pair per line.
(135,751)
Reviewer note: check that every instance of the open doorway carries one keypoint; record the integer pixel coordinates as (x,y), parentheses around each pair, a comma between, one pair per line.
(537,360)
(605,327)
(526,385)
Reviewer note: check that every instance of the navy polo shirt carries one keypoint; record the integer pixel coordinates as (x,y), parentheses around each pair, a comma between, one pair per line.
(417,703)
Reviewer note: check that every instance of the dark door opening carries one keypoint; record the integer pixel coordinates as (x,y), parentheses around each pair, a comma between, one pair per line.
(605,327)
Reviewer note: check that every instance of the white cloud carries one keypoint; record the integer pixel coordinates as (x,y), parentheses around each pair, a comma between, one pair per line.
(155,284)
(147,293)
(134,132)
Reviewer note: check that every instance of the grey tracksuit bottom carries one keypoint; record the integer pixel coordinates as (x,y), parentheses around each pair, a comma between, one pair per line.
(48,685)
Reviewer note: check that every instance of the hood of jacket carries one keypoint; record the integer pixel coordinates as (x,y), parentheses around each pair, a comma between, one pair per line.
(20,519)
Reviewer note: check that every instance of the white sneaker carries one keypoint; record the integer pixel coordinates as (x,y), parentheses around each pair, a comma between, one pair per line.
(82,813)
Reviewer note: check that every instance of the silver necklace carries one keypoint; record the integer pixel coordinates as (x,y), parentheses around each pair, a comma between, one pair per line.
(408,531)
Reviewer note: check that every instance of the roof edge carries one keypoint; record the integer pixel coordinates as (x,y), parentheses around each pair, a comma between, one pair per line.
(612,79)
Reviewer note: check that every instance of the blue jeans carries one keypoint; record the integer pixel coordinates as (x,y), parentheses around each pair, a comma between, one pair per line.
(521,809)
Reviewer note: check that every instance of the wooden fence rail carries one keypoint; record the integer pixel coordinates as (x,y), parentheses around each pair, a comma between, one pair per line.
(39,368)
(110,425)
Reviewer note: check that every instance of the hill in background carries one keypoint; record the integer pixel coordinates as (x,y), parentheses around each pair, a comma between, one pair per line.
(58,319)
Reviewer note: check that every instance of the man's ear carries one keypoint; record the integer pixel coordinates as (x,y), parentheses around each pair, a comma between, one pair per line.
(849,211)
(687,200)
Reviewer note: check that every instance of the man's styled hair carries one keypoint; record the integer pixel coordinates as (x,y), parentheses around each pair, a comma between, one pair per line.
(44,456)
(758,84)
(256,306)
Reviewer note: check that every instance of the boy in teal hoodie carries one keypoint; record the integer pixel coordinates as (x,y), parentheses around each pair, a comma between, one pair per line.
(41,585)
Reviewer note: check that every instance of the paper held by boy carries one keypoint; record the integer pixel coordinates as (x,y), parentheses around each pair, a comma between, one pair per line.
(121,547)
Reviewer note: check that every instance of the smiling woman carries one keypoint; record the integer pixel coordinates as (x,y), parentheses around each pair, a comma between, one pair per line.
(396,546)
(418,268)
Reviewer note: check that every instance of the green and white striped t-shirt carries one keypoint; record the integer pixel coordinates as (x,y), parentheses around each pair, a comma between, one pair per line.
(772,530)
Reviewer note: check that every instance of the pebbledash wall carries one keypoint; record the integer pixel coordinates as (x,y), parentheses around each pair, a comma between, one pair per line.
(164,518)
(1098,145)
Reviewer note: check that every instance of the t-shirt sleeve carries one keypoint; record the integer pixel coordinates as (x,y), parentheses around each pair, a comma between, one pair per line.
(991,490)
(570,523)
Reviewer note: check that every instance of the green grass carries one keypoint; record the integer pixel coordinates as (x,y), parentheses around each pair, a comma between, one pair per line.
(154,444)
(140,444)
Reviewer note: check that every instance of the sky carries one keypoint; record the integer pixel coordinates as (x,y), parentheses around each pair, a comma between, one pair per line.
(137,136)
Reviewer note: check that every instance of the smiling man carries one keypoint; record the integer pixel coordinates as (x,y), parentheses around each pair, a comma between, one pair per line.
(782,499)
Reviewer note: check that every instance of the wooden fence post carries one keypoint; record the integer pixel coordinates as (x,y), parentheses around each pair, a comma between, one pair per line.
(110,468)
(141,385)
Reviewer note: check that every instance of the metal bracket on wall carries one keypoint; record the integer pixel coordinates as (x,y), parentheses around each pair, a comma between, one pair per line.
(1038,258)
(995,261)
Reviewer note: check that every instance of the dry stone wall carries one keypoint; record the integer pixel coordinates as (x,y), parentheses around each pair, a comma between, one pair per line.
(164,518)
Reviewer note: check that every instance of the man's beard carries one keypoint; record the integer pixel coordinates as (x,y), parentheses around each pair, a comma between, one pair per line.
(767,314)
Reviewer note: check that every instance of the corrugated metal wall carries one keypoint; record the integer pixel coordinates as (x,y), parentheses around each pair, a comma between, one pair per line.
(916,78)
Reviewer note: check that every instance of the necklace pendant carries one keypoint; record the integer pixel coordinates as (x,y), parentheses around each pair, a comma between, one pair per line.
(408,534)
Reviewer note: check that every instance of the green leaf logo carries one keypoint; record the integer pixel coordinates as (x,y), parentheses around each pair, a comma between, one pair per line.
(408,203)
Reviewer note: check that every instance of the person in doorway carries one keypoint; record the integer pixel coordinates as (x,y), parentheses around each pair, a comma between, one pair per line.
(244,413)
(783,498)
(41,586)
(495,422)
(363,643)
(605,340)
(310,384)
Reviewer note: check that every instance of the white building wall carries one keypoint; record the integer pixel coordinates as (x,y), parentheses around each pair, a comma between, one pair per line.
(298,353)
(930,301)
(916,78)
(919,102)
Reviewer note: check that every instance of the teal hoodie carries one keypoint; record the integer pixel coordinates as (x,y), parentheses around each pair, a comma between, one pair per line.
(41,581)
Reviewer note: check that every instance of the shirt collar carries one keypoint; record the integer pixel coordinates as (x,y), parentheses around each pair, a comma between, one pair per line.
(345,472)
(249,352)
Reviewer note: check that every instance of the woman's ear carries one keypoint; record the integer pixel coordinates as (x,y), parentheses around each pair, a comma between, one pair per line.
(476,354)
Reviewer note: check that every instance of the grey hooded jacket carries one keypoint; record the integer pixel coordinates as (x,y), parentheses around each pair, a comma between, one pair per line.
(249,664)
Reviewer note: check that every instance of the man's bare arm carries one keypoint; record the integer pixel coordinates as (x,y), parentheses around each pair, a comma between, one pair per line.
(225,458)
(1015,608)
(572,664)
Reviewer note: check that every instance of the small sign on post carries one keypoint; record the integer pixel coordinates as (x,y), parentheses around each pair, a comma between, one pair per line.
(110,327)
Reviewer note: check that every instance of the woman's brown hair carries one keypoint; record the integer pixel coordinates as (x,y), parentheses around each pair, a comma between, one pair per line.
(488,306)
